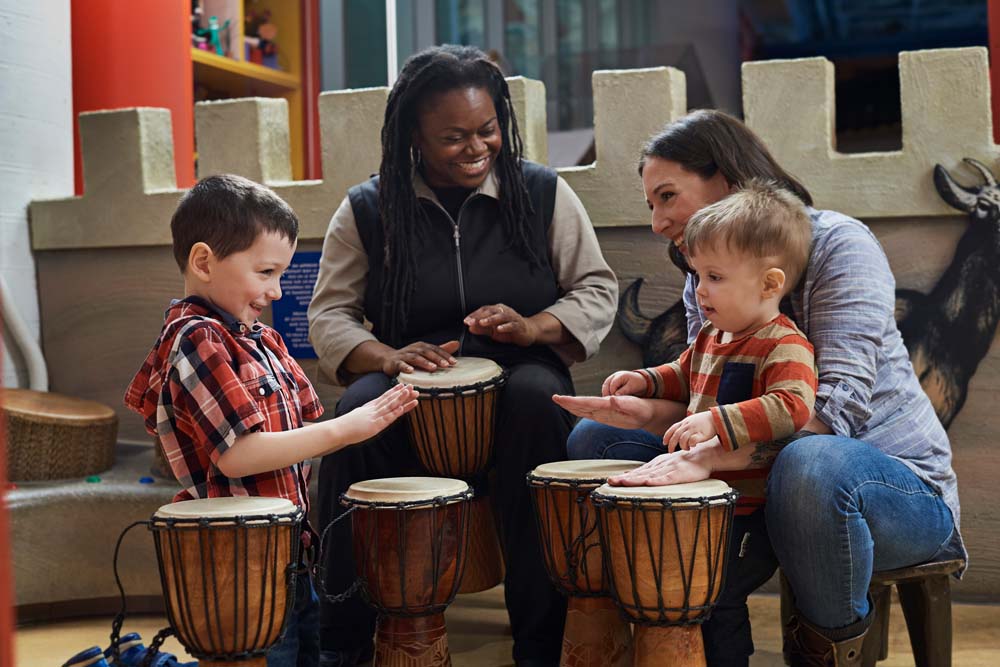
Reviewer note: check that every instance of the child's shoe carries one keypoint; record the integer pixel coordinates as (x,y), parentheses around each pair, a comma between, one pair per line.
(131,653)
(92,657)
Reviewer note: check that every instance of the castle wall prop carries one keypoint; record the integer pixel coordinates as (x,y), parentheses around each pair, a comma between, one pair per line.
(106,272)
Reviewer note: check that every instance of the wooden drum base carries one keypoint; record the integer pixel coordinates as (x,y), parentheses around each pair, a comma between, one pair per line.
(596,635)
(677,646)
(412,642)
(483,561)
(250,662)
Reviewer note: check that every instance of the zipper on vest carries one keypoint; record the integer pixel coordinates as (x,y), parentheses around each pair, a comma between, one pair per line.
(461,282)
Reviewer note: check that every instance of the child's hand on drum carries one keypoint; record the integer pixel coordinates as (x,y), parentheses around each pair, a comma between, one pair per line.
(690,431)
(419,356)
(675,468)
(624,383)
(375,415)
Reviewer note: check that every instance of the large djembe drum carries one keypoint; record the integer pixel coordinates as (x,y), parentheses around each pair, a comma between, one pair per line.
(665,554)
(227,567)
(409,550)
(595,635)
(451,430)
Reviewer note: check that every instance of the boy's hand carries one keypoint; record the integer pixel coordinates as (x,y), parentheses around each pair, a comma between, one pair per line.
(375,415)
(690,431)
(624,383)
(421,356)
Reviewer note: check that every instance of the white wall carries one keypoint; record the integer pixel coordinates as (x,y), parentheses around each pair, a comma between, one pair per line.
(36,141)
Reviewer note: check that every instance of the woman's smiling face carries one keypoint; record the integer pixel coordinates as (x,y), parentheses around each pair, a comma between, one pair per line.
(674,194)
(458,137)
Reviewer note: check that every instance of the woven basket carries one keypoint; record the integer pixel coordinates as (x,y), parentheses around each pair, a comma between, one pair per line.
(51,436)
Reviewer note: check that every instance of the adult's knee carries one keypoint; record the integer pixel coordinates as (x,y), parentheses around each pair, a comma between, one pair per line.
(810,479)
(362,390)
(586,440)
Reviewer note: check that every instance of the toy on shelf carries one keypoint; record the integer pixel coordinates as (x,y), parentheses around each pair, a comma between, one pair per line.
(212,37)
(259,35)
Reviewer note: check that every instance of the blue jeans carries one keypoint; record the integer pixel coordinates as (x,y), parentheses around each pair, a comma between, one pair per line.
(837,509)
(299,646)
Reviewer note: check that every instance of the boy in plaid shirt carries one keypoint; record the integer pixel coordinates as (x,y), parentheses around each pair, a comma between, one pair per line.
(220,389)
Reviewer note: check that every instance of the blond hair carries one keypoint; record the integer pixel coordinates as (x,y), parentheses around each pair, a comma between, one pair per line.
(761,220)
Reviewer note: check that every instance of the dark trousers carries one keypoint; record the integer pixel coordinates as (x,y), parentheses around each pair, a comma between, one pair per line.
(530,430)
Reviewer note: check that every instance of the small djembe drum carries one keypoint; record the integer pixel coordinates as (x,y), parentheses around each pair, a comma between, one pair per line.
(451,430)
(595,635)
(227,567)
(409,549)
(665,554)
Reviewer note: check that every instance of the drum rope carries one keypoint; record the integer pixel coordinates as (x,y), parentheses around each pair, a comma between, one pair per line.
(119,621)
(319,572)
(154,646)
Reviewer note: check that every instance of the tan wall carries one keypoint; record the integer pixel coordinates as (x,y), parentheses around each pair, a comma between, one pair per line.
(106,275)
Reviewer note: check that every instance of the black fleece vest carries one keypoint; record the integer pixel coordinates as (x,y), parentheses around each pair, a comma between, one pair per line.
(491,272)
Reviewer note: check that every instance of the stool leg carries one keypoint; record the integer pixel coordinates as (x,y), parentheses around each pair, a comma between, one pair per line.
(926,605)
(787,610)
(876,644)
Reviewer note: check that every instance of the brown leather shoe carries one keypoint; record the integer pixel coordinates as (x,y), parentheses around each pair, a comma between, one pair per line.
(806,646)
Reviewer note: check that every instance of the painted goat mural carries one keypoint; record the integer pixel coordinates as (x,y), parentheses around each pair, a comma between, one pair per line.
(947,331)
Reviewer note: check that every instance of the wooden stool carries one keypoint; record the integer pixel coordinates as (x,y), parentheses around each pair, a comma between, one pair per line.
(52,436)
(925,597)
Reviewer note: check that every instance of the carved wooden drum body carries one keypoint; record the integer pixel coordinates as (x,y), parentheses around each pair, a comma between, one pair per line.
(595,635)
(409,547)
(665,552)
(452,431)
(227,567)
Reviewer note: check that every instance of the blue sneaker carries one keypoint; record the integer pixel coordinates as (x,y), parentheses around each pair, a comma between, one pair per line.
(92,657)
(131,653)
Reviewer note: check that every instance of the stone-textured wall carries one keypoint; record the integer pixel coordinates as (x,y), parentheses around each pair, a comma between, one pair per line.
(106,274)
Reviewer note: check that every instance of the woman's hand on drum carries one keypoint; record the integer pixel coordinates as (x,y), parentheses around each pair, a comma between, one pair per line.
(503,324)
(419,356)
(371,418)
(625,383)
(690,431)
(678,467)
(620,411)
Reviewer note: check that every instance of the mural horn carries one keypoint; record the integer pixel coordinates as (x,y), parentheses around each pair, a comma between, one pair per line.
(954,194)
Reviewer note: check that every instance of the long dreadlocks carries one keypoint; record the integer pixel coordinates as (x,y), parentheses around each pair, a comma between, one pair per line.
(436,70)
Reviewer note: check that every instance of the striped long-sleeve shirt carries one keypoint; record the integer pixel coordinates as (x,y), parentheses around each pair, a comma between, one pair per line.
(760,387)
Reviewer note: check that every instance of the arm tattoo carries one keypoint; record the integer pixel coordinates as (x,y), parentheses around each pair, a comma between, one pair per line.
(764,453)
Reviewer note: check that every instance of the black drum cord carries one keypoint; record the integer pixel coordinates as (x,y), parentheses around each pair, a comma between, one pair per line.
(319,571)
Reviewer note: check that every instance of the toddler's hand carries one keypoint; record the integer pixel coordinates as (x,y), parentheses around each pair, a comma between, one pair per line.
(375,415)
(624,383)
(690,431)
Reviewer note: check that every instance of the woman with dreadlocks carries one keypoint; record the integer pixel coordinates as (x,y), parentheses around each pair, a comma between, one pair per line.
(530,291)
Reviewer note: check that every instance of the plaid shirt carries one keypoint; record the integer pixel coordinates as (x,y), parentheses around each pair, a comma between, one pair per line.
(208,380)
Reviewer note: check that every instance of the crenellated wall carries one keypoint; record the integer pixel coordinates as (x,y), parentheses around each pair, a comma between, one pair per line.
(106,273)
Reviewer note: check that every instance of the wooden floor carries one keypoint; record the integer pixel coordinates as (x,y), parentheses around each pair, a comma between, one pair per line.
(479,636)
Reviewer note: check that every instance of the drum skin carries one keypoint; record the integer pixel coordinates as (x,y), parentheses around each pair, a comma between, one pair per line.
(226,586)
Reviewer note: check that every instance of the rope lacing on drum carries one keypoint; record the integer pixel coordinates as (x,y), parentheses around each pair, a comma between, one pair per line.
(154,646)
(319,572)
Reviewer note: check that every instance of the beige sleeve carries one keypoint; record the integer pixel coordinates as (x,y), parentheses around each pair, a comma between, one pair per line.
(590,288)
(336,312)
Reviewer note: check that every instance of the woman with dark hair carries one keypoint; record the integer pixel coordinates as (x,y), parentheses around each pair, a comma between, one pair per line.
(458,247)
(867,485)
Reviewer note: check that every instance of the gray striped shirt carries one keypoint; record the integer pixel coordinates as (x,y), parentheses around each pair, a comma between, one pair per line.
(867,388)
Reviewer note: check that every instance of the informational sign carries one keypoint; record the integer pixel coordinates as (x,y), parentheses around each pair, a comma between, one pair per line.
(290,310)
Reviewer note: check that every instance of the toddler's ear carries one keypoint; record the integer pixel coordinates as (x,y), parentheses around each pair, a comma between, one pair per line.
(774,282)
(200,261)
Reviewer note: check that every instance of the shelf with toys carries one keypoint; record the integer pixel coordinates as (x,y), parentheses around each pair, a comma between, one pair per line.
(251,48)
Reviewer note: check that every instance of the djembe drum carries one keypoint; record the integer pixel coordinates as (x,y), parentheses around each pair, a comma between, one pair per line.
(227,567)
(451,430)
(409,548)
(665,554)
(595,634)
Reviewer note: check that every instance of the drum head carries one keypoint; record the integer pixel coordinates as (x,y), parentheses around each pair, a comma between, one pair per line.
(395,490)
(222,508)
(467,372)
(595,471)
(708,488)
